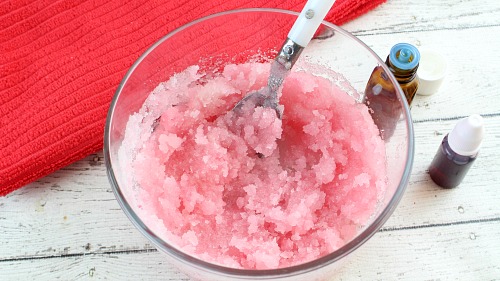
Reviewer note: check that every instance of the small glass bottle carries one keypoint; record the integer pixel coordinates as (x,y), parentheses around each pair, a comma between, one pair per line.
(380,94)
(457,153)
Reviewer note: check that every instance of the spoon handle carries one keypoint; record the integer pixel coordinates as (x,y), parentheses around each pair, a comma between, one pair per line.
(309,20)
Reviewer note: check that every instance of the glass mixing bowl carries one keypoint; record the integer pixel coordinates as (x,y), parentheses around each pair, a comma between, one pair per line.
(235,37)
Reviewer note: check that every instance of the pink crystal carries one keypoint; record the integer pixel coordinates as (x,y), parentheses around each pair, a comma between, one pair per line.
(202,186)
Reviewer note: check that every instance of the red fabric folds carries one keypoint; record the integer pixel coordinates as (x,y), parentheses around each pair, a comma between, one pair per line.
(62,60)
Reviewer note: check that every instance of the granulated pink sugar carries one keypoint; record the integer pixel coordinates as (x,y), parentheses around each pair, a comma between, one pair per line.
(201,185)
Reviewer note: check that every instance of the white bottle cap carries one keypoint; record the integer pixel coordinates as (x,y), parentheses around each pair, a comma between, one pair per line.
(465,139)
(431,71)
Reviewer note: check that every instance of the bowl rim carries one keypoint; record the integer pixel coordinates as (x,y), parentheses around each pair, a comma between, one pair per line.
(213,268)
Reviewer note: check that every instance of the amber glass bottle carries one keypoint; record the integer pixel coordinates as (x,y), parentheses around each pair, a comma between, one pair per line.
(380,94)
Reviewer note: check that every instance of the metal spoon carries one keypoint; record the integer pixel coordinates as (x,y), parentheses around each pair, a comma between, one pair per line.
(299,36)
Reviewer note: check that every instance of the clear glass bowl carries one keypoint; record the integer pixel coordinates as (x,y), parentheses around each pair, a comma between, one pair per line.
(245,34)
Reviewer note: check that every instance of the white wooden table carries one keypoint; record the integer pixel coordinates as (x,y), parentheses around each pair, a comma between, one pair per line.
(69,226)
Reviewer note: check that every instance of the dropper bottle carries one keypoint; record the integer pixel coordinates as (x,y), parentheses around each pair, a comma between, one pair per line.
(457,153)
(380,94)
(403,61)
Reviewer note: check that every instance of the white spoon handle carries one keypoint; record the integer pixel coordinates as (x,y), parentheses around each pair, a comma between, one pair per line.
(309,20)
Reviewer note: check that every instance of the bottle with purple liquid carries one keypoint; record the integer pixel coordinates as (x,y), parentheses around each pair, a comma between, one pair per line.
(457,153)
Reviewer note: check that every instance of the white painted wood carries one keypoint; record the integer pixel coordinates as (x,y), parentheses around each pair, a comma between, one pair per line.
(396,16)
(69,226)
(456,252)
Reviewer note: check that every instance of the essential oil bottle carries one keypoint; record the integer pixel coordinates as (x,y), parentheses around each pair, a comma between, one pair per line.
(403,61)
(457,153)
(380,94)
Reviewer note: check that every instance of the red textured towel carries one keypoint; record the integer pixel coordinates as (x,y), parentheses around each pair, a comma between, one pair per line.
(62,60)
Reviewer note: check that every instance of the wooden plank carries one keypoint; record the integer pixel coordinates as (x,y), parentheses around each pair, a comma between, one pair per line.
(74,211)
(108,266)
(412,16)
(452,252)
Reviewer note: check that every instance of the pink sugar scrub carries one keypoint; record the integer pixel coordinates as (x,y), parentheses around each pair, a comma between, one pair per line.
(199,183)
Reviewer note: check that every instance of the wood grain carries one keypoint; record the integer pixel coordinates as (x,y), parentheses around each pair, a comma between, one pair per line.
(451,252)
(415,16)
(69,226)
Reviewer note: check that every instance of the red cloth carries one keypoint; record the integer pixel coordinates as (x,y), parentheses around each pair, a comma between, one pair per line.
(62,60)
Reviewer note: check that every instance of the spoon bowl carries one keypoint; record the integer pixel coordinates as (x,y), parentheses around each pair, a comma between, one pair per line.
(268,95)
(300,34)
